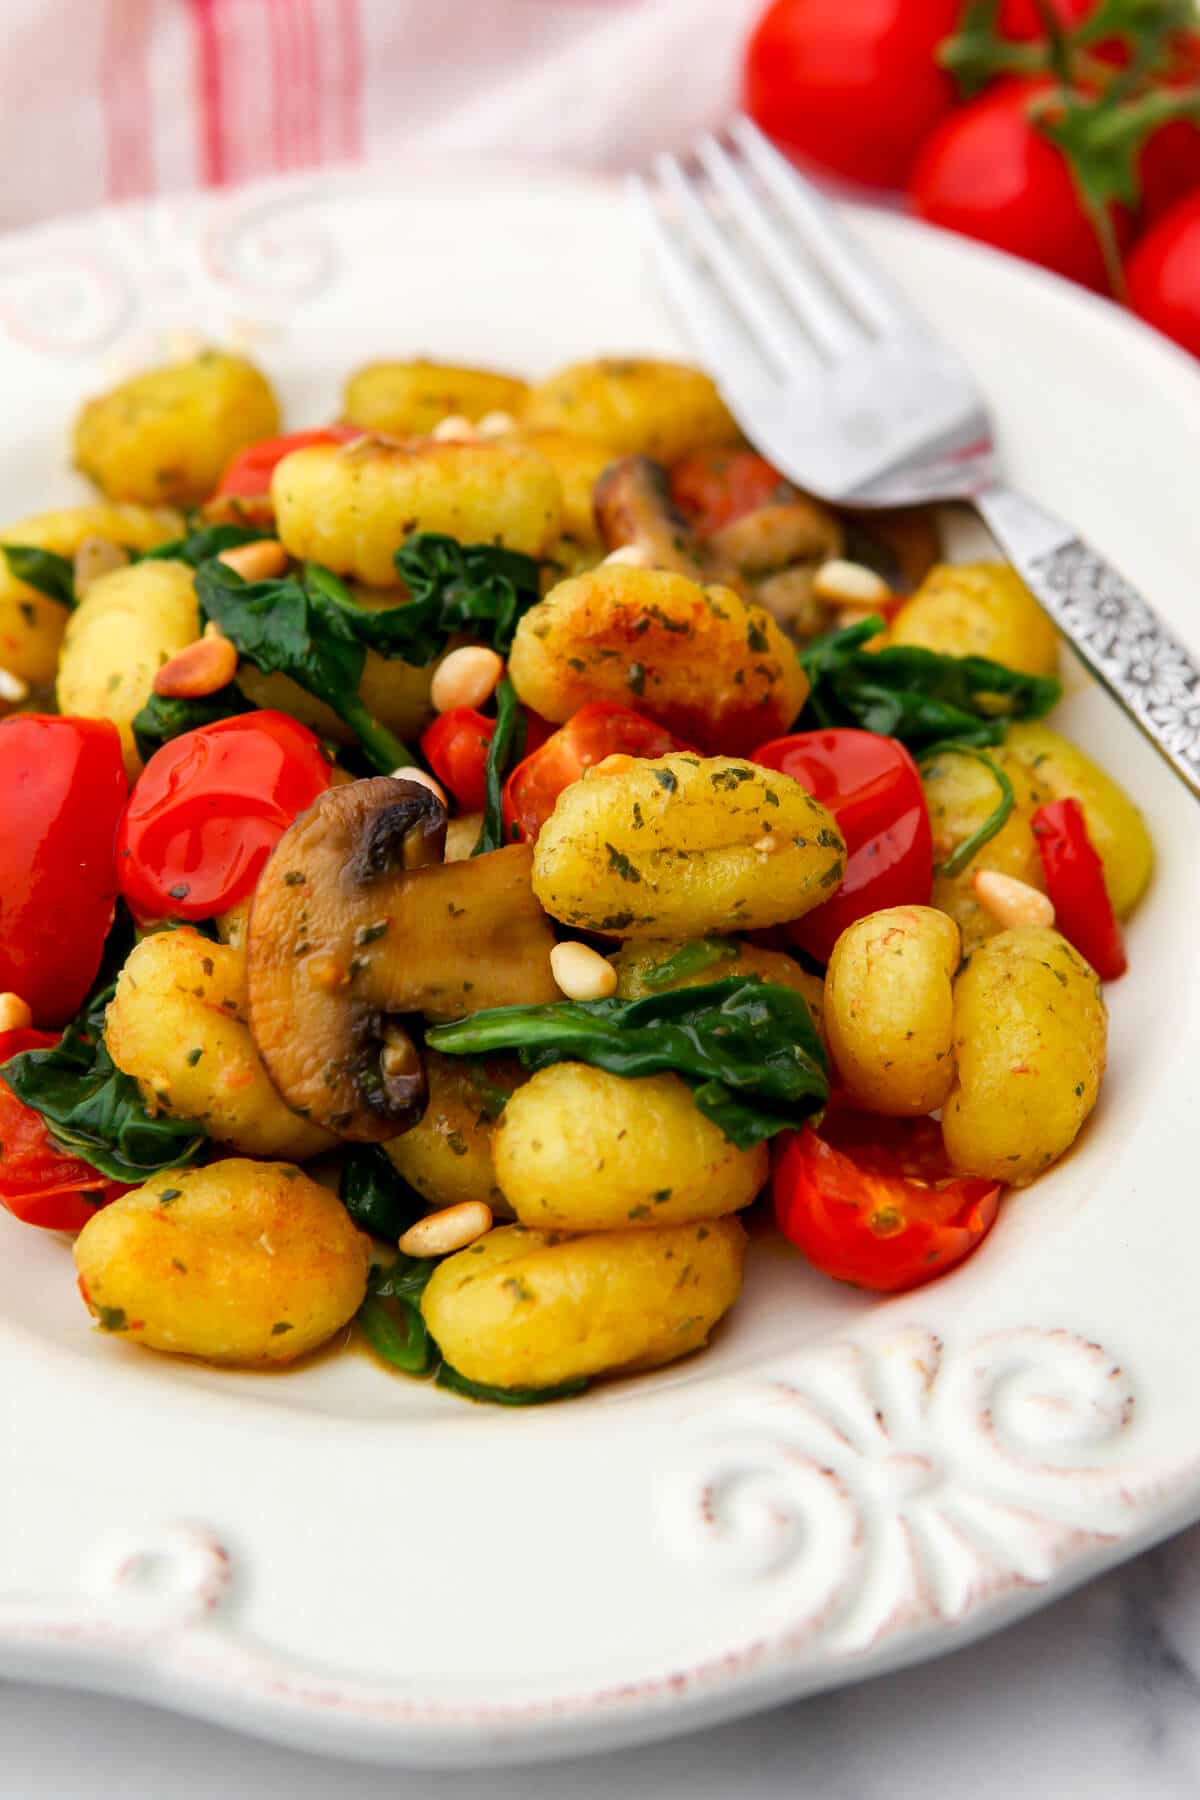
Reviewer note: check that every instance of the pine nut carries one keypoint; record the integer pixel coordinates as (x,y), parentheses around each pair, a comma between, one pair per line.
(12,688)
(631,554)
(257,561)
(96,556)
(616,763)
(15,1013)
(851,582)
(1011,902)
(454,429)
(466,677)
(582,973)
(495,424)
(201,668)
(410,773)
(441,1233)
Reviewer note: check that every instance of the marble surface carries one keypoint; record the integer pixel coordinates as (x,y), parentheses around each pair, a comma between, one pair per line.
(1097,1696)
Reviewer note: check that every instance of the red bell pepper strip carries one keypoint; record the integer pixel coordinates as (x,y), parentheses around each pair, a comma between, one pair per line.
(1075,883)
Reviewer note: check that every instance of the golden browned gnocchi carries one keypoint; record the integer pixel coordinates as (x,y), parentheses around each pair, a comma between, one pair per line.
(177,1024)
(579,463)
(578,1149)
(166,435)
(889,1009)
(710,666)
(1030,1039)
(351,506)
(532,1309)
(978,609)
(962,793)
(683,846)
(410,398)
(634,405)
(1114,824)
(652,966)
(239,1262)
(447,1157)
(125,628)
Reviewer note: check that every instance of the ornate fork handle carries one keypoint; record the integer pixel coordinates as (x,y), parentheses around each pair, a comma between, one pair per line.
(1115,630)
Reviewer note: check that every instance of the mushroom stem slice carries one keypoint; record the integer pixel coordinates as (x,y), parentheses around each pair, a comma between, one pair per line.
(353,931)
(633,506)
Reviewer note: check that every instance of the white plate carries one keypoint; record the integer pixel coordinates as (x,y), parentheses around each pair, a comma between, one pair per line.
(368,1566)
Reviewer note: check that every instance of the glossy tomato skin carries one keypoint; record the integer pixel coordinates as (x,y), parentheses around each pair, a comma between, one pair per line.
(208,809)
(1021,22)
(249,473)
(1076,886)
(856,1217)
(1164,275)
(456,748)
(852,86)
(988,173)
(873,788)
(597,730)
(64,786)
(40,1184)
(713,487)
(1169,166)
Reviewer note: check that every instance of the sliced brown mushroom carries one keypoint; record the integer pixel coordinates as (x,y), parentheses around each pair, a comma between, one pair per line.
(773,537)
(356,926)
(633,505)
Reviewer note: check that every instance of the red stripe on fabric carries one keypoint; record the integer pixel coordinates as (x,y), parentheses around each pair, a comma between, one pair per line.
(276,32)
(209,88)
(126,99)
(309,82)
(349,134)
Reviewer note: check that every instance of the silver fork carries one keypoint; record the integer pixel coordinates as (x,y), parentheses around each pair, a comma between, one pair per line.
(830,373)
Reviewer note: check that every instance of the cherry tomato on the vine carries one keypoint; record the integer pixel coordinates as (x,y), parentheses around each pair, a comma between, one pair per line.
(874,1201)
(64,785)
(1169,165)
(851,85)
(208,809)
(597,730)
(39,1183)
(1022,21)
(988,172)
(249,473)
(1164,275)
(873,788)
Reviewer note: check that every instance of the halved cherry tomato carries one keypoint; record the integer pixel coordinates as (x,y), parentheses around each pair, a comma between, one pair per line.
(597,730)
(1075,883)
(879,1208)
(456,748)
(1164,275)
(249,473)
(40,1184)
(713,487)
(872,787)
(209,808)
(851,85)
(64,785)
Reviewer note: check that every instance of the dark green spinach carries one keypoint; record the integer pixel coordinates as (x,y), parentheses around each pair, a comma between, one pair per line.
(479,588)
(390,1316)
(500,1396)
(995,821)
(203,542)
(376,1195)
(44,570)
(916,695)
(747,1048)
(94,1110)
(504,752)
(162,719)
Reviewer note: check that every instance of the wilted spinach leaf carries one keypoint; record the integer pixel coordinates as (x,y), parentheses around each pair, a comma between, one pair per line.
(162,719)
(480,588)
(44,570)
(376,1195)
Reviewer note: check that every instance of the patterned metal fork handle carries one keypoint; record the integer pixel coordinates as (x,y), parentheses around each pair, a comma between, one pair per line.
(1118,634)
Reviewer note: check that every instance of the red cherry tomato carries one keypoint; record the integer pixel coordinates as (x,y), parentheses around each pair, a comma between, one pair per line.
(64,785)
(711,488)
(597,730)
(1021,21)
(1164,275)
(456,748)
(874,1201)
(40,1184)
(851,85)
(249,473)
(209,808)
(1169,166)
(1075,883)
(988,172)
(872,787)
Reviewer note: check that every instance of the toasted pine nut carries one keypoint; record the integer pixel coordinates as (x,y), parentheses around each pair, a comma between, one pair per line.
(466,677)
(12,688)
(454,429)
(440,1233)
(200,668)
(851,582)
(411,773)
(632,554)
(582,973)
(257,561)
(1011,902)
(617,763)
(462,835)
(495,424)
(15,1013)
(96,556)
